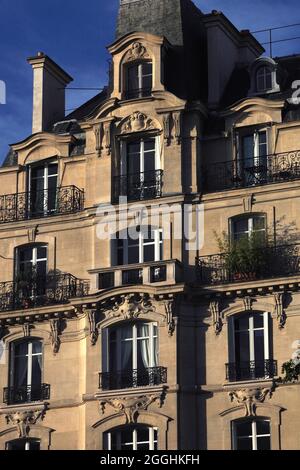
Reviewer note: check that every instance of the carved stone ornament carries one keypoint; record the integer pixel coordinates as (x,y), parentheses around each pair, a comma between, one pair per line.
(24,419)
(137,122)
(248,203)
(177,126)
(170,306)
(247,303)
(167,127)
(216,316)
(94,333)
(32,233)
(279,310)
(99,134)
(131,406)
(55,332)
(250,397)
(26,330)
(129,307)
(136,52)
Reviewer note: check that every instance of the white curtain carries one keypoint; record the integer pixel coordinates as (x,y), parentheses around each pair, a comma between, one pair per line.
(126,348)
(145,346)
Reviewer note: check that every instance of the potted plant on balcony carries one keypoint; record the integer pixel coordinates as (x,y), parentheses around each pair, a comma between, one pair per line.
(244,259)
(24,288)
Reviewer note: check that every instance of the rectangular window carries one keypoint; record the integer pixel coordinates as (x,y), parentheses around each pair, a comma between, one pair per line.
(139,80)
(43,189)
(252,435)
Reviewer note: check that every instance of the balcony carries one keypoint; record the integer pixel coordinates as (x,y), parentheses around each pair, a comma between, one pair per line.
(41,291)
(138,186)
(156,273)
(26,394)
(137,93)
(234,174)
(252,370)
(276,261)
(38,204)
(133,378)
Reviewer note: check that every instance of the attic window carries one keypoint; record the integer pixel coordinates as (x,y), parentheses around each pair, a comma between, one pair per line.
(264,78)
(138,80)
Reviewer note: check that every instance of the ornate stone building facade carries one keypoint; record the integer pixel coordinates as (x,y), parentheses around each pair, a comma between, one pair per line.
(114,343)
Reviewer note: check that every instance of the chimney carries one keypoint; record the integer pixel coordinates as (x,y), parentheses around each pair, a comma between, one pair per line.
(49,84)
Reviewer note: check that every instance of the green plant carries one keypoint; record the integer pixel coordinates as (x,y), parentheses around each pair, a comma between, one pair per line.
(291,371)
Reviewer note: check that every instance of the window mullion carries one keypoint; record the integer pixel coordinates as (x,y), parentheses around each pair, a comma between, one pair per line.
(29,364)
(251,338)
(254,436)
(134,347)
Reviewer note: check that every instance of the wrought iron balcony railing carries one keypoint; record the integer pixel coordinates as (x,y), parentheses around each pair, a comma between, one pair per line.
(26,394)
(272,262)
(251,370)
(41,291)
(133,378)
(137,93)
(243,173)
(38,204)
(138,186)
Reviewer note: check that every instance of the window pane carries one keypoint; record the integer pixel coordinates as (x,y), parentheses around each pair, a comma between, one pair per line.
(20,371)
(133,80)
(25,254)
(262,427)
(244,444)
(244,428)
(36,371)
(133,254)
(21,349)
(147,68)
(52,169)
(258,320)
(241,226)
(259,223)
(242,323)
(259,353)
(37,172)
(263,443)
(37,347)
(248,147)
(242,347)
(41,252)
(149,253)
(143,330)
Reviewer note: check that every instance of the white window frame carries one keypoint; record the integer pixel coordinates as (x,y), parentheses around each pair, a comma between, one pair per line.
(254,435)
(134,340)
(151,442)
(46,177)
(141,243)
(251,330)
(29,356)
(140,75)
(123,151)
(262,72)
(250,220)
(34,259)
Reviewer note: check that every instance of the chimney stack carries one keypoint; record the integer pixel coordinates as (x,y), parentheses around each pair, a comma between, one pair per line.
(49,84)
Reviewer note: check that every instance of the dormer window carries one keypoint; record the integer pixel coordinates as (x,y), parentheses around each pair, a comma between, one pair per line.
(138,80)
(264,79)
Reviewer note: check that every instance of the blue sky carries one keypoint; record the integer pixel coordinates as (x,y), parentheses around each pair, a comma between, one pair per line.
(75,34)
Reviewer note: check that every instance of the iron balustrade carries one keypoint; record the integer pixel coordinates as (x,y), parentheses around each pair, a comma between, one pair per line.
(241,173)
(139,186)
(272,262)
(138,93)
(41,203)
(251,370)
(132,378)
(26,394)
(41,291)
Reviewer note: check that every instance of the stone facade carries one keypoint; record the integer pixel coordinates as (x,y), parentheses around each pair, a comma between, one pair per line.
(188,402)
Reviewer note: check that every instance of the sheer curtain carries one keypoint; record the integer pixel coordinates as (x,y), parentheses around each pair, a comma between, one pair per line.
(126,348)
(145,346)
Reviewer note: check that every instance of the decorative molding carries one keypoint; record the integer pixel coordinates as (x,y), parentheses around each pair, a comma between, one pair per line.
(99,134)
(170,308)
(128,307)
(107,136)
(137,122)
(23,420)
(279,310)
(55,332)
(217,318)
(177,126)
(94,333)
(131,406)
(247,301)
(26,329)
(167,128)
(136,52)
(248,202)
(250,397)
(32,233)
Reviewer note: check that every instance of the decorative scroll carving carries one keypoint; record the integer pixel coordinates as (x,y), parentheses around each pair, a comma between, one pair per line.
(99,134)
(216,316)
(107,136)
(170,306)
(177,126)
(24,419)
(55,332)
(26,330)
(247,303)
(167,128)
(279,310)
(248,203)
(136,52)
(137,122)
(94,333)
(131,406)
(129,307)
(250,397)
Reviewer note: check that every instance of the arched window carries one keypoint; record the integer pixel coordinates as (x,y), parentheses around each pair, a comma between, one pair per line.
(250,348)
(264,77)
(138,80)
(245,226)
(132,438)
(130,356)
(25,373)
(252,434)
(24,444)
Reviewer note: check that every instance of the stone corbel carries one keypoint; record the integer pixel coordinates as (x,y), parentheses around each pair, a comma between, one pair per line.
(23,420)
(55,325)
(26,330)
(32,233)
(107,136)
(99,134)
(94,333)
(170,306)
(131,406)
(167,128)
(250,398)
(248,202)
(177,126)
(247,301)
(279,309)
(216,316)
